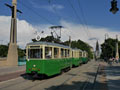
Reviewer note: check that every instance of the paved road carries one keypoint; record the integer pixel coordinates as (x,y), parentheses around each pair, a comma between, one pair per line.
(113,76)
(75,79)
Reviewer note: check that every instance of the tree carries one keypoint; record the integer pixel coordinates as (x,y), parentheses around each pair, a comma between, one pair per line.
(81,45)
(108,48)
(4,51)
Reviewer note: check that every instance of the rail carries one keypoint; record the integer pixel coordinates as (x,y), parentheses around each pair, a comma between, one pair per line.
(86,83)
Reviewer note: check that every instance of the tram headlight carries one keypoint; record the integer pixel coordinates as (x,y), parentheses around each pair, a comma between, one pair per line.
(34,65)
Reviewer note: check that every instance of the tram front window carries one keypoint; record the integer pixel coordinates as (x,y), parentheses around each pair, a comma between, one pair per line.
(35,53)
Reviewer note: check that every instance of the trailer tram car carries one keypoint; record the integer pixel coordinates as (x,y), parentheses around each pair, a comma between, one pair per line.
(76,57)
(84,57)
(44,58)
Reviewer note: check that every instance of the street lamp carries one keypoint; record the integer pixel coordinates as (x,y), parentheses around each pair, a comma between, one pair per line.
(114,8)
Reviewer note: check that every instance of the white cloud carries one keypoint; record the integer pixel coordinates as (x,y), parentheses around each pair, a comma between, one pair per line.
(50,7)
(25,31)
(77,31)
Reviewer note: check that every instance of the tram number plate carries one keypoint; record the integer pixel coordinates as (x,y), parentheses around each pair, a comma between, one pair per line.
(34,68)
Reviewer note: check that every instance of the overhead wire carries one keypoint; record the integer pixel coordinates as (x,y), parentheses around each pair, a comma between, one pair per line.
(85,23)
(38,13)
(80,6)
(59,16)
(75,12)
(42,17)
(35,12)
(54,9)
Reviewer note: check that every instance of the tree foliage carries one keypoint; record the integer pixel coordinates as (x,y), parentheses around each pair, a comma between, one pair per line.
(4,51)
(109,48)
(81,45)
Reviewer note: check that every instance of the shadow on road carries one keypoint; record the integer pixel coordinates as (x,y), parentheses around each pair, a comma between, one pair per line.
(40,77)
(77,85)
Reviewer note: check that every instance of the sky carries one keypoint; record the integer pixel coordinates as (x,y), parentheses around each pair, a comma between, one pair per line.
(81,19)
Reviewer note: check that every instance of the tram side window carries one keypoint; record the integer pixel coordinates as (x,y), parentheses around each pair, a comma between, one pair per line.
(68,53)
(48,52)
(35,53)
(72,54)
(62,53)
(65,52)
(80,54)
(56,53)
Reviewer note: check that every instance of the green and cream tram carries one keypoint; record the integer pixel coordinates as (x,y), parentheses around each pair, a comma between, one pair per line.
(50,58)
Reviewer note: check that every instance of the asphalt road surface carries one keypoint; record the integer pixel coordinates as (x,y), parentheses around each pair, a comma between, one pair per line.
(78,78)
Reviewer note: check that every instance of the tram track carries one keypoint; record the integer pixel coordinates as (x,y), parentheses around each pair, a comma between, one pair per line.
(37,83)
(12,84)
(53,78)
(86,83)
(70,78)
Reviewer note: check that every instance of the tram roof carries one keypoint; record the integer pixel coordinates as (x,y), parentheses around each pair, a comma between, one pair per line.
(48,43)
(77,49)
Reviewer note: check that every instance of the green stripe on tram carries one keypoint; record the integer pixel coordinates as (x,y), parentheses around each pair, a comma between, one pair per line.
(48,67)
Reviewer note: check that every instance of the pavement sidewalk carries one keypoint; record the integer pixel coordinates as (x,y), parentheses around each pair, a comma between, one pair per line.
(11,69)
(108,77)
(113,76)
(101,81)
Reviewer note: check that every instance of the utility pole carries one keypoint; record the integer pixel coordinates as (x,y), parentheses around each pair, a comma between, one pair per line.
(70,41)
(117,51)
(12,57)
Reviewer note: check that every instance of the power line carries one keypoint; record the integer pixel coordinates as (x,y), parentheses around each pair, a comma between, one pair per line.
(74,11)
(38,14)
(35,12)
(77,16)
(46,18)
(59,17)
(80,6)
